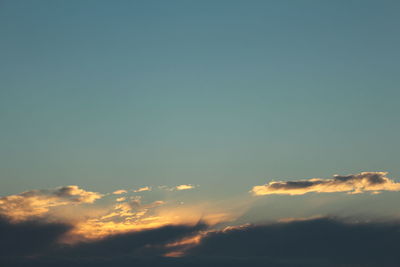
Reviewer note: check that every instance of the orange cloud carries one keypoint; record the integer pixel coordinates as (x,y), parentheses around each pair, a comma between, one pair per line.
(113,215)
(134,216)
(38,202)
(184,187)
(121,199)
(120,192)
(353,184)
(179,248)
(142,189)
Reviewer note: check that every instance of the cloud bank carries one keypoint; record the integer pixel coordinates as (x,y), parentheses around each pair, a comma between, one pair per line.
(23,239)
(315,242)
(354,184)
(133,230)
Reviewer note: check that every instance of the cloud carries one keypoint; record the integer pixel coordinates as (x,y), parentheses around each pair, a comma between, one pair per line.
(117,215)
(138,232)
(140,243)
(120,199)
(120,192)
(314,242)
(38,202)
(177,188)
(133,215)
(142,189)
(355,183)
(184,187)
(29,237)
(323,241)
(36,243)
(158,202)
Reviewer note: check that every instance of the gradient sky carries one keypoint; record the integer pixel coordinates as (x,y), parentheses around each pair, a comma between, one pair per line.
(199,133)
(221,94)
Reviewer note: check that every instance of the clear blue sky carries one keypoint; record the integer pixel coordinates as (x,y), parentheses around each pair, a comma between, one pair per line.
(223,94)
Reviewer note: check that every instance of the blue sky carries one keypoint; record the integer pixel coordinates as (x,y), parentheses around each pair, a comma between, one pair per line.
(192,133)
(221,94)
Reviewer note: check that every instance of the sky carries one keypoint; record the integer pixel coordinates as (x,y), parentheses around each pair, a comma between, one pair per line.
(175,112)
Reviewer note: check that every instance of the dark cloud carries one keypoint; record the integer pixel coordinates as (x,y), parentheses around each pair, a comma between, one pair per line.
(35,244)
(320,241)
(316,242)
(156,262)
(354,183)
(28,238)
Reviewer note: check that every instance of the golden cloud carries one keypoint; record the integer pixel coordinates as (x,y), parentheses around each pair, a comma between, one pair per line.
(142,189)
(133,216)
(116,214)
(353,184)
(184,187)
(38,202)
(120,192)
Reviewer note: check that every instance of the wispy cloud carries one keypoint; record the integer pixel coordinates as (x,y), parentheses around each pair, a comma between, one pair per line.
(178,187)
(184,187)
(142,189)
(354,184)
(121,199)
(120,192)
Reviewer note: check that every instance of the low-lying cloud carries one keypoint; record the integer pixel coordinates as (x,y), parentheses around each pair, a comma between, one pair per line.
(355,183)
(315,242)
(18,239)
(119,212)
(129,229)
